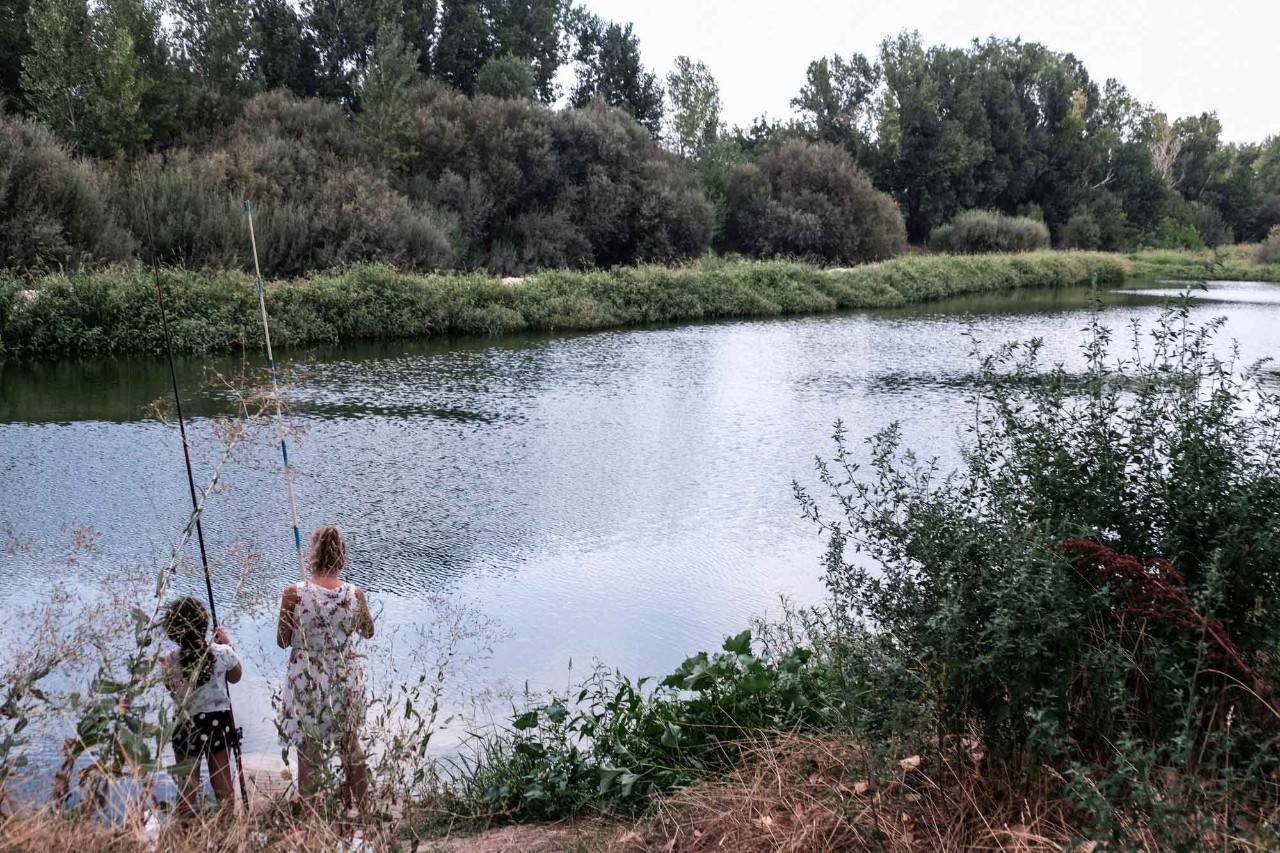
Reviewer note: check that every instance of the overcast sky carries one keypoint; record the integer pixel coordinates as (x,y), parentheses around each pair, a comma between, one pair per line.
(1184,56)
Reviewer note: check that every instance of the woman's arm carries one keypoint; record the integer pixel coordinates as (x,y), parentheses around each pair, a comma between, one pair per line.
(234,673)
(287,623)
(364,619)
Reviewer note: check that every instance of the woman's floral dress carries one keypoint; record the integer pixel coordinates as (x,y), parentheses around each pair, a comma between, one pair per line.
(324,695)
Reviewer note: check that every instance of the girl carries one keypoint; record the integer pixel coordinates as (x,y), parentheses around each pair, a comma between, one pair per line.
(323,705)
(197,675)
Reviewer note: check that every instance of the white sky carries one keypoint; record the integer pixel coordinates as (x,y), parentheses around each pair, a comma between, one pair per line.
(1184,56)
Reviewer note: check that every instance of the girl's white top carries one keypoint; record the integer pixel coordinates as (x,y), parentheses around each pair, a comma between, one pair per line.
(203,698)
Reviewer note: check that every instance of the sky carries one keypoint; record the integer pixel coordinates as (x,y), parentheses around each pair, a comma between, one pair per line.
(1183,56)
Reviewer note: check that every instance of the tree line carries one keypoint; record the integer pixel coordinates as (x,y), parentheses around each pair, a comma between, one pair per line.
(438,134)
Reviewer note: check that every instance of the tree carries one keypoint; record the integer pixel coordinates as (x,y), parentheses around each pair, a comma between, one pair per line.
(695,107)
(609,70)
(213,40)
(14,45)
(529,30)
(114,120)
(1200,159)
(281,53)
(166,97)
(58,72)
(344,32)
(933,152)
(464,44)
(385,118)
(838,102)
(418,20)
(1164,144)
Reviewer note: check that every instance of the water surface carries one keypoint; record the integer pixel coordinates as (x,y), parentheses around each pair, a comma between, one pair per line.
(620,495)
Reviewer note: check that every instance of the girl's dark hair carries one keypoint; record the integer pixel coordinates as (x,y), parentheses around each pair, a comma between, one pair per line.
(186,622)
(328,552)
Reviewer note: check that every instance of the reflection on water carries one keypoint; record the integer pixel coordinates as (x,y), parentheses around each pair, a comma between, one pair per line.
(622,495)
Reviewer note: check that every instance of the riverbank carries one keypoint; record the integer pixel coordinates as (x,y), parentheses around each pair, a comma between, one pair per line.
(114,311)
(991,668)
(1233,263)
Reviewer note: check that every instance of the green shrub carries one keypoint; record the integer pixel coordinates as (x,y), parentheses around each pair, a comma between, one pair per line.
(53,209)
(1269,249)
(1082,231)
(182,215)
(812,202)
(615,743)
(1175,234)
(506,77)
(971,613)
(980,231)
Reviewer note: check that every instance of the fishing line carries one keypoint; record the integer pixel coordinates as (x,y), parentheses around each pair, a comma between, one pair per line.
(198,510)
(275,393)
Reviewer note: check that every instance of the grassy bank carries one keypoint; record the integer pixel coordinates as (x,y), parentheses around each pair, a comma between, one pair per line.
(1233,263)
(114,311)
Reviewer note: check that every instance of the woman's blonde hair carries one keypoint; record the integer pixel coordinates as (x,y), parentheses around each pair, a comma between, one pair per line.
(328,552)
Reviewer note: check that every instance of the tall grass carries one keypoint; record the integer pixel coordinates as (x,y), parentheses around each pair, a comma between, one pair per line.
(113,311)
(1237,263)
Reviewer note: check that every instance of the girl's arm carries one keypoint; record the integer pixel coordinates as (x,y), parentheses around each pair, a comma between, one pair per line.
(364,619)
(234,673)
(287,623)
(172,676)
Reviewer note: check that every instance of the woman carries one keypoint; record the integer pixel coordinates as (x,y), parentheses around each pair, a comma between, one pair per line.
(323,703)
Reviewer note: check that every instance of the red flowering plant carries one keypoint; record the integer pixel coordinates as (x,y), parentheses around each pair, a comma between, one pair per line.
(1152,591)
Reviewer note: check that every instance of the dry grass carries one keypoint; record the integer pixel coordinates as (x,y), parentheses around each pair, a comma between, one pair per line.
(818,793)
(275,827)
(804,793)
(789,793)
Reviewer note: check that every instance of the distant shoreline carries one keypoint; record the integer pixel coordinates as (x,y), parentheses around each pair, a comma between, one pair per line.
(112,311)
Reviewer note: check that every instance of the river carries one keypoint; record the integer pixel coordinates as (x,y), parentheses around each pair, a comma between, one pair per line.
(621,496)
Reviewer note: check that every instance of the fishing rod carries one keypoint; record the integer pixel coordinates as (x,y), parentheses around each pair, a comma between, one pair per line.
(275,393)
(198,510)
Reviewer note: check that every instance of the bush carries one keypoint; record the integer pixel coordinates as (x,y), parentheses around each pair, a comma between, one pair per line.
(1175,234)
(531,187)
(811,202)
(615,744)
(1099,225)
(977,231)
(53,209)
(1269,249)
(180,214)
(1082,231)
(1269,212)
(506,77)
(496,183)
(1102,570)
(320,201)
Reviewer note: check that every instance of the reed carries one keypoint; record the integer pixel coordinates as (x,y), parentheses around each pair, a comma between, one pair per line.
(113,311)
